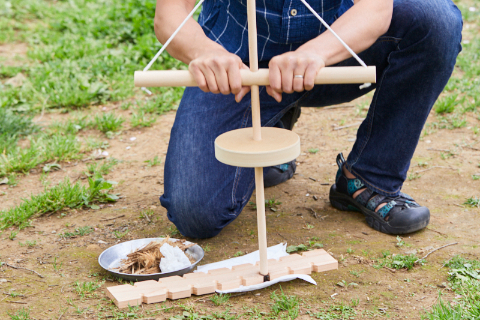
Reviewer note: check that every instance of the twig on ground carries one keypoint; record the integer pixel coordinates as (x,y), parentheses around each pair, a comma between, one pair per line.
(442,150)
(146,216)
(434,167)
(443,234)
(313,179)
(477,149)
(313,212)
(425,257)
(19,302)
(16,267)
(108,219)
(18,295)
(347,126)
(338,107)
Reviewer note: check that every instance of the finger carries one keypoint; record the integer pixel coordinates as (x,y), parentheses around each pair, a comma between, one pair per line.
(210,78)
(275,76)
(310,75)
(274,94)
(199,77)
(234,78)
(298,82)
(221,75)
(287,76)
(239,96)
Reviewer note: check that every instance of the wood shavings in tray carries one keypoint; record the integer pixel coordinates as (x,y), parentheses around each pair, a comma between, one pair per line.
(146,260)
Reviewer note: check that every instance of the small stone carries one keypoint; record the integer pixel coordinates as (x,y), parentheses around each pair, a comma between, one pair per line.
(341,284)
(315,198)
(133,138)
(3,280)
(102,242)
(128,148)
(54,231)
(442,285)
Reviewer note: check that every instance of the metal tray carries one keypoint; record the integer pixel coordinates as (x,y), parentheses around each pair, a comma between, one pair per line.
(110,258)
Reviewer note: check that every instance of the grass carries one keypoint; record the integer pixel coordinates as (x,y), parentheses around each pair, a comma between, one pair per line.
(28,243)
(398,261)
(98,170)
(81,53)
(84,289)
(142,119)
(64,195)
(154,162)
(108,122)
(472,202)
(340,311)
(22,314)
(285,304)
(269,203)
(219,299)
(313,243)
(464,279)
(13,235)
(79,232)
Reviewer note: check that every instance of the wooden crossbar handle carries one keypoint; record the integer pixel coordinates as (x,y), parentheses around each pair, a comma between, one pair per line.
(183,78)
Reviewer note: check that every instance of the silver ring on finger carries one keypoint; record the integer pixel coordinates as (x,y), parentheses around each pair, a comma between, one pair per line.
(298,76)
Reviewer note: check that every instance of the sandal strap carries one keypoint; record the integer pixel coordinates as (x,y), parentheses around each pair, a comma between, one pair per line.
(363,197)
(385,210)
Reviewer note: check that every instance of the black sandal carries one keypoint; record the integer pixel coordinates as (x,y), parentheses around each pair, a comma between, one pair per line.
(400,215)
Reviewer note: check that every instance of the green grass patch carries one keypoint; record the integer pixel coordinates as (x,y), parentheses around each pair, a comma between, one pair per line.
(64,195)
(219,299)
(313,243)
(398,261)
(85,289)
(285,306)
(79,232)
(22,314)
(472,202)
(464,279)
(81,52)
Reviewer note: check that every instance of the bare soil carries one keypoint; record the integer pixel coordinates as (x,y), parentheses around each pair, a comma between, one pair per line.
(381,292)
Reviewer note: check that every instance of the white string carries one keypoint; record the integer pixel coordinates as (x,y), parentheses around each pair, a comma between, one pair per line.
(333,32)
(173,36)
(170,40)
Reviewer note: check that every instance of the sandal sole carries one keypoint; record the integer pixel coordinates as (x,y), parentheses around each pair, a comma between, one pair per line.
(344,202)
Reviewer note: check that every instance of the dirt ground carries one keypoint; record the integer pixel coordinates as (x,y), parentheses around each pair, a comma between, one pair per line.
(443,186)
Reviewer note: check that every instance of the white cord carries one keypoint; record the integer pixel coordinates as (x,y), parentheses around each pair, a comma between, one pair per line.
(170,40)
(333,32)
(173,36)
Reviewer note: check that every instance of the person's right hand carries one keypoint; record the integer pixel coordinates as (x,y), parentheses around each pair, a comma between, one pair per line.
(218,71)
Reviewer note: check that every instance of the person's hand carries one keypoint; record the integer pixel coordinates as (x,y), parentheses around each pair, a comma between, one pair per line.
(293,71)
(218,71)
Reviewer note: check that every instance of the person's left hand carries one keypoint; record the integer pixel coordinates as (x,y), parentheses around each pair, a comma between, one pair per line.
(293,71)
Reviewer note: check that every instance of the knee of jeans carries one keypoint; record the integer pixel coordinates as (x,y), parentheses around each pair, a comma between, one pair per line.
(439,23)
(194,219)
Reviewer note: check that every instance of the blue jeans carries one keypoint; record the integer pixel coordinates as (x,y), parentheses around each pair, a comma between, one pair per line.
(414,61)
